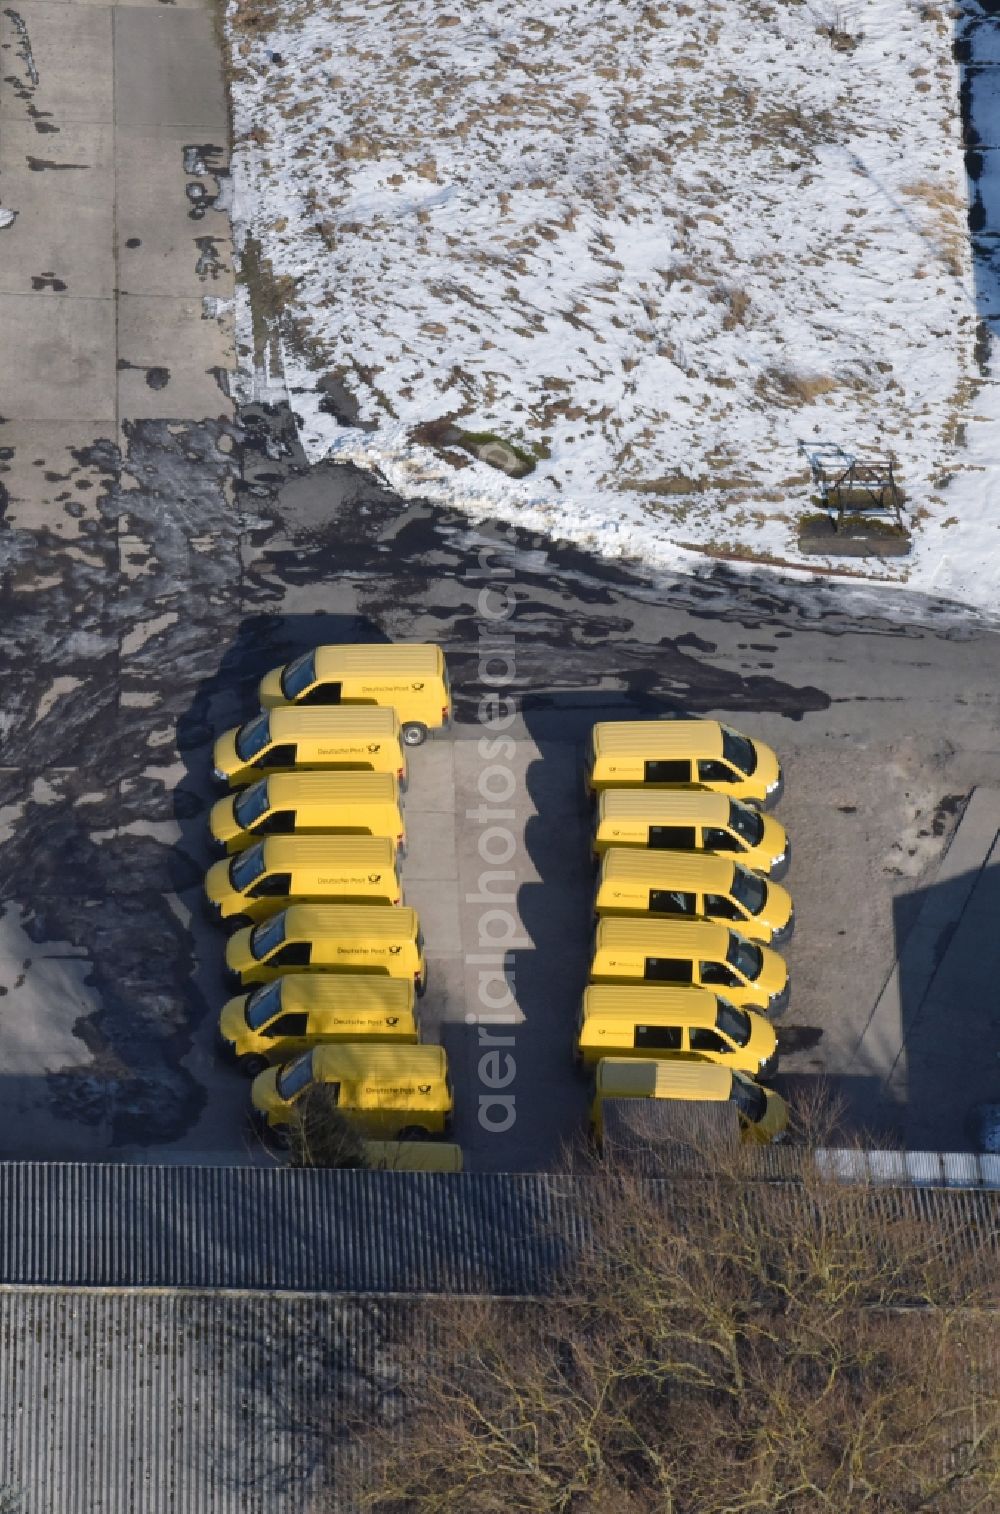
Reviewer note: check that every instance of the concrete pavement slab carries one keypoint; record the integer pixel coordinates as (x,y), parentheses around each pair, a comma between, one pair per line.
(172,360)
(167,70)
(169,243)
(59,359)
(62,189)
(430,839)
(57,66)
(53,478)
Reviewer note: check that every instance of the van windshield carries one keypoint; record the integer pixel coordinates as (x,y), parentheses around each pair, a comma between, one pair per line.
(293,1078)
(749,890)
(746,822)
(254,736)
(267,937)
(299,675)
(263,1005)
(749,1098)
(745,957)
(250,805)
(733,1022)
(247,868)
(739,751)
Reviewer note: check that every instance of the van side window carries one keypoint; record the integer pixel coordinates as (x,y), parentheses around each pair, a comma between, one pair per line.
(323,693)
(670,901)
(663,771)
(657,1038)
(288,1025)
(669,969)
(718,840)
(294,954)
(277,823)
(679,838)
(718,972)
(275,885)
(282,756)
(712,770)
(721,908)
(703,1039)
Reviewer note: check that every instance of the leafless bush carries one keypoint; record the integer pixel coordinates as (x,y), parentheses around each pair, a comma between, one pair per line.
(319,1136)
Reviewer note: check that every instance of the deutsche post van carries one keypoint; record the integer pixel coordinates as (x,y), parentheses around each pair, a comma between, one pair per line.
(413,1156)
(277,741)
(287,1016)
(692,885)
(304,803)
(691,820)
(410,677)
(700,953)
(653,1021)
(280,870)
(325,938)
(763,1113)
(680,753)
(387,1092)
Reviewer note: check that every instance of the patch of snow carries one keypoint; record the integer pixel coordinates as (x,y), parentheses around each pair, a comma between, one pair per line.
(7,218)
(661,247)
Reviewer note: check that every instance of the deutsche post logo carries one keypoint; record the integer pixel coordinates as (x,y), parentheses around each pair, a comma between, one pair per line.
(416,687)
(423,1088)
(374,746)
(394,951)
(374,877)
(392,1019)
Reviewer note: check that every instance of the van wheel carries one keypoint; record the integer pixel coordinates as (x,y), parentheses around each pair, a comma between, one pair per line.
(421,986)
(414,1133)
(414,734)
(251,1064)
(238,922)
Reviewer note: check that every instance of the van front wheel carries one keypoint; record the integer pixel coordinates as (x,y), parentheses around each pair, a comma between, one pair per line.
(251,1064)
(413,1133)
(414,734)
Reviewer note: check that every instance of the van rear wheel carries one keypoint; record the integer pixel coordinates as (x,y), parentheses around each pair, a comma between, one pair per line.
(414,733)
(251,1064)
(414,1133)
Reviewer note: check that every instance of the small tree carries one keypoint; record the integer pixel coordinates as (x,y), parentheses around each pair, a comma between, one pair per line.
(319,1136)
(723,1345)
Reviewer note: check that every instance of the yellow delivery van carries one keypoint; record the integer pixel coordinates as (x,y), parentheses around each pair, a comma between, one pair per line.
(410,677)
(691,820)
(652,1020)
(763,1113)
(310,803)
(702,953)
(273,873)
(690,885)
(290,1014)
(278,741)
(389,1093)
(679,754)
(346,938)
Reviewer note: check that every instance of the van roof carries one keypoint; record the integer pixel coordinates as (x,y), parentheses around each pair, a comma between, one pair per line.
(336,992)
(663,937)
(369,1059)
(331,788)
(661,806)
(644,1003)
(289,720)
(659,738)
(694,870)
(669,1078)
(335,851)
(368,659)
(390,922)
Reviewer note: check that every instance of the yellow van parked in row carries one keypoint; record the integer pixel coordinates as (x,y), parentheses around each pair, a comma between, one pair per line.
(283,1018)
(653,1021)
(686,820)
(338,804)
(413,1156)
(367,741)
(702,953)
(410,677)
(679,753)
(763,1113)
(692,885)
(387,1092)
(345,938)
(281,870)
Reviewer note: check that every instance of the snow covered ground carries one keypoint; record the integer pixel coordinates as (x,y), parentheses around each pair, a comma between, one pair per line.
(660,247)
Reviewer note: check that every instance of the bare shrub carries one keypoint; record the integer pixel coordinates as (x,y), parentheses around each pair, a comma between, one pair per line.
(319,1136)
(782,385)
